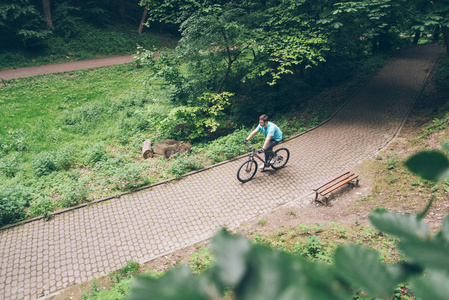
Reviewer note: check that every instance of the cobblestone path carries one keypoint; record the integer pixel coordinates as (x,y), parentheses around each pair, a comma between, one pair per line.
(41,257)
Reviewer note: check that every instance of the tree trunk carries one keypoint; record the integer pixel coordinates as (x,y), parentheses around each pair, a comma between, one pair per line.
(416,37)
(142,21)
(445,30)
(47,13)
(146,149)
(384,41)
(436,33)
(122,8)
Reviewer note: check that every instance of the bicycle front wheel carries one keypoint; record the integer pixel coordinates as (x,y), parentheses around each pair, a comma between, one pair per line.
(281,158)
(247,171)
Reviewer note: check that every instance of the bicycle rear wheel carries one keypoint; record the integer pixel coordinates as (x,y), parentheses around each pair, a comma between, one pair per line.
(247,171)
(281,159)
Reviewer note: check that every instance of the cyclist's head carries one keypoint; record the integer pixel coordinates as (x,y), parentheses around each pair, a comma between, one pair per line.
(263,120)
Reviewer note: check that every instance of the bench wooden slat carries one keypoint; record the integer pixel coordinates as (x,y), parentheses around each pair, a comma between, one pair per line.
(330,189)
(334,182)
(335,178)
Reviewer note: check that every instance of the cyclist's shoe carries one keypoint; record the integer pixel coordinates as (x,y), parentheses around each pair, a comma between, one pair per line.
(273,159)
(262,166)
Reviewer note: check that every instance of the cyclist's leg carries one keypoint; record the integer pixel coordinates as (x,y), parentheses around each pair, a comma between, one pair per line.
(269,151)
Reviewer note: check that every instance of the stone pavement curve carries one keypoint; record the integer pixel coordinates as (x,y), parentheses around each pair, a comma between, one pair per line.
(41,258)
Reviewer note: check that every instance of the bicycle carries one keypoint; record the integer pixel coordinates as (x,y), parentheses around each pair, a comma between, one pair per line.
(248,169)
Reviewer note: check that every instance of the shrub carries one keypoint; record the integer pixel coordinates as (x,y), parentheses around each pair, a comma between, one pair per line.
(64,158)
(127,176)
(133,123)
(73,194)
(42,206)
(96,153)
(9,166)
(231,145)
(183,164)
(13,201)
(18,141)
(199,121)
(43,164)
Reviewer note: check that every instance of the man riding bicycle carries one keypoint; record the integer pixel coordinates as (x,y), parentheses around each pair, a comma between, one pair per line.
(273,136)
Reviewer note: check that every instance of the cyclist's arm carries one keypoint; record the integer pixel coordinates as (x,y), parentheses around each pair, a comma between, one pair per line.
(252,134)
(267,140)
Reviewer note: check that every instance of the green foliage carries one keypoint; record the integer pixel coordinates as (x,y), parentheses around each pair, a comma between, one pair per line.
(131,268)
(72,194)
(9,166)
(21,22)
(441,75)
(127,177)
(41,206)
(230,146)
(199,121)
(43,164)
(430,165)
(13,201)
(314,249)
(96,153)
(183,164)
(201,260)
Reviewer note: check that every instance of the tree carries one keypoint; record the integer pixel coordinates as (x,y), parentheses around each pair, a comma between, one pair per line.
(47,13)
(371,19)
(21,22)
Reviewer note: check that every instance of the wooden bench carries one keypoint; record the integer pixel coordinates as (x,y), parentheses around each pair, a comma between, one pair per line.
(333,184)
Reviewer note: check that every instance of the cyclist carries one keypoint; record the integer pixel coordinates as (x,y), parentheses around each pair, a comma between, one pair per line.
(273,136)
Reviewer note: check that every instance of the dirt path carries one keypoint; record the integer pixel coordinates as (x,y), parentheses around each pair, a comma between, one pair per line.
(64,67)
(41,257)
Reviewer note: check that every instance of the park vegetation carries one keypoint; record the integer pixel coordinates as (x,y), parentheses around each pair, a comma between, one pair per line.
(73,138)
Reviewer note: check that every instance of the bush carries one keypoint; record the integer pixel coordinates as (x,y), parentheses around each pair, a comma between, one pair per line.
(127,176)
(73,194)
(95,154)
(42,206)
(230,146)
(199,121)
(183,164)
(18,141)
(9,166)
(133,123)
(13,201)
(43,164)
(64,158)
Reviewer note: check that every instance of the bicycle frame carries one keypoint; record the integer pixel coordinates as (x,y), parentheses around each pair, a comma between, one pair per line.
(254,154)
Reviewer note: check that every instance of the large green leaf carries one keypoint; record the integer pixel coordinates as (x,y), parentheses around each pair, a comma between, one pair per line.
(433,286)
(443,235)
(362,269)
(402,226)
(430,165)
(277,275)
(230,257)
(176,284)
(429,254)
